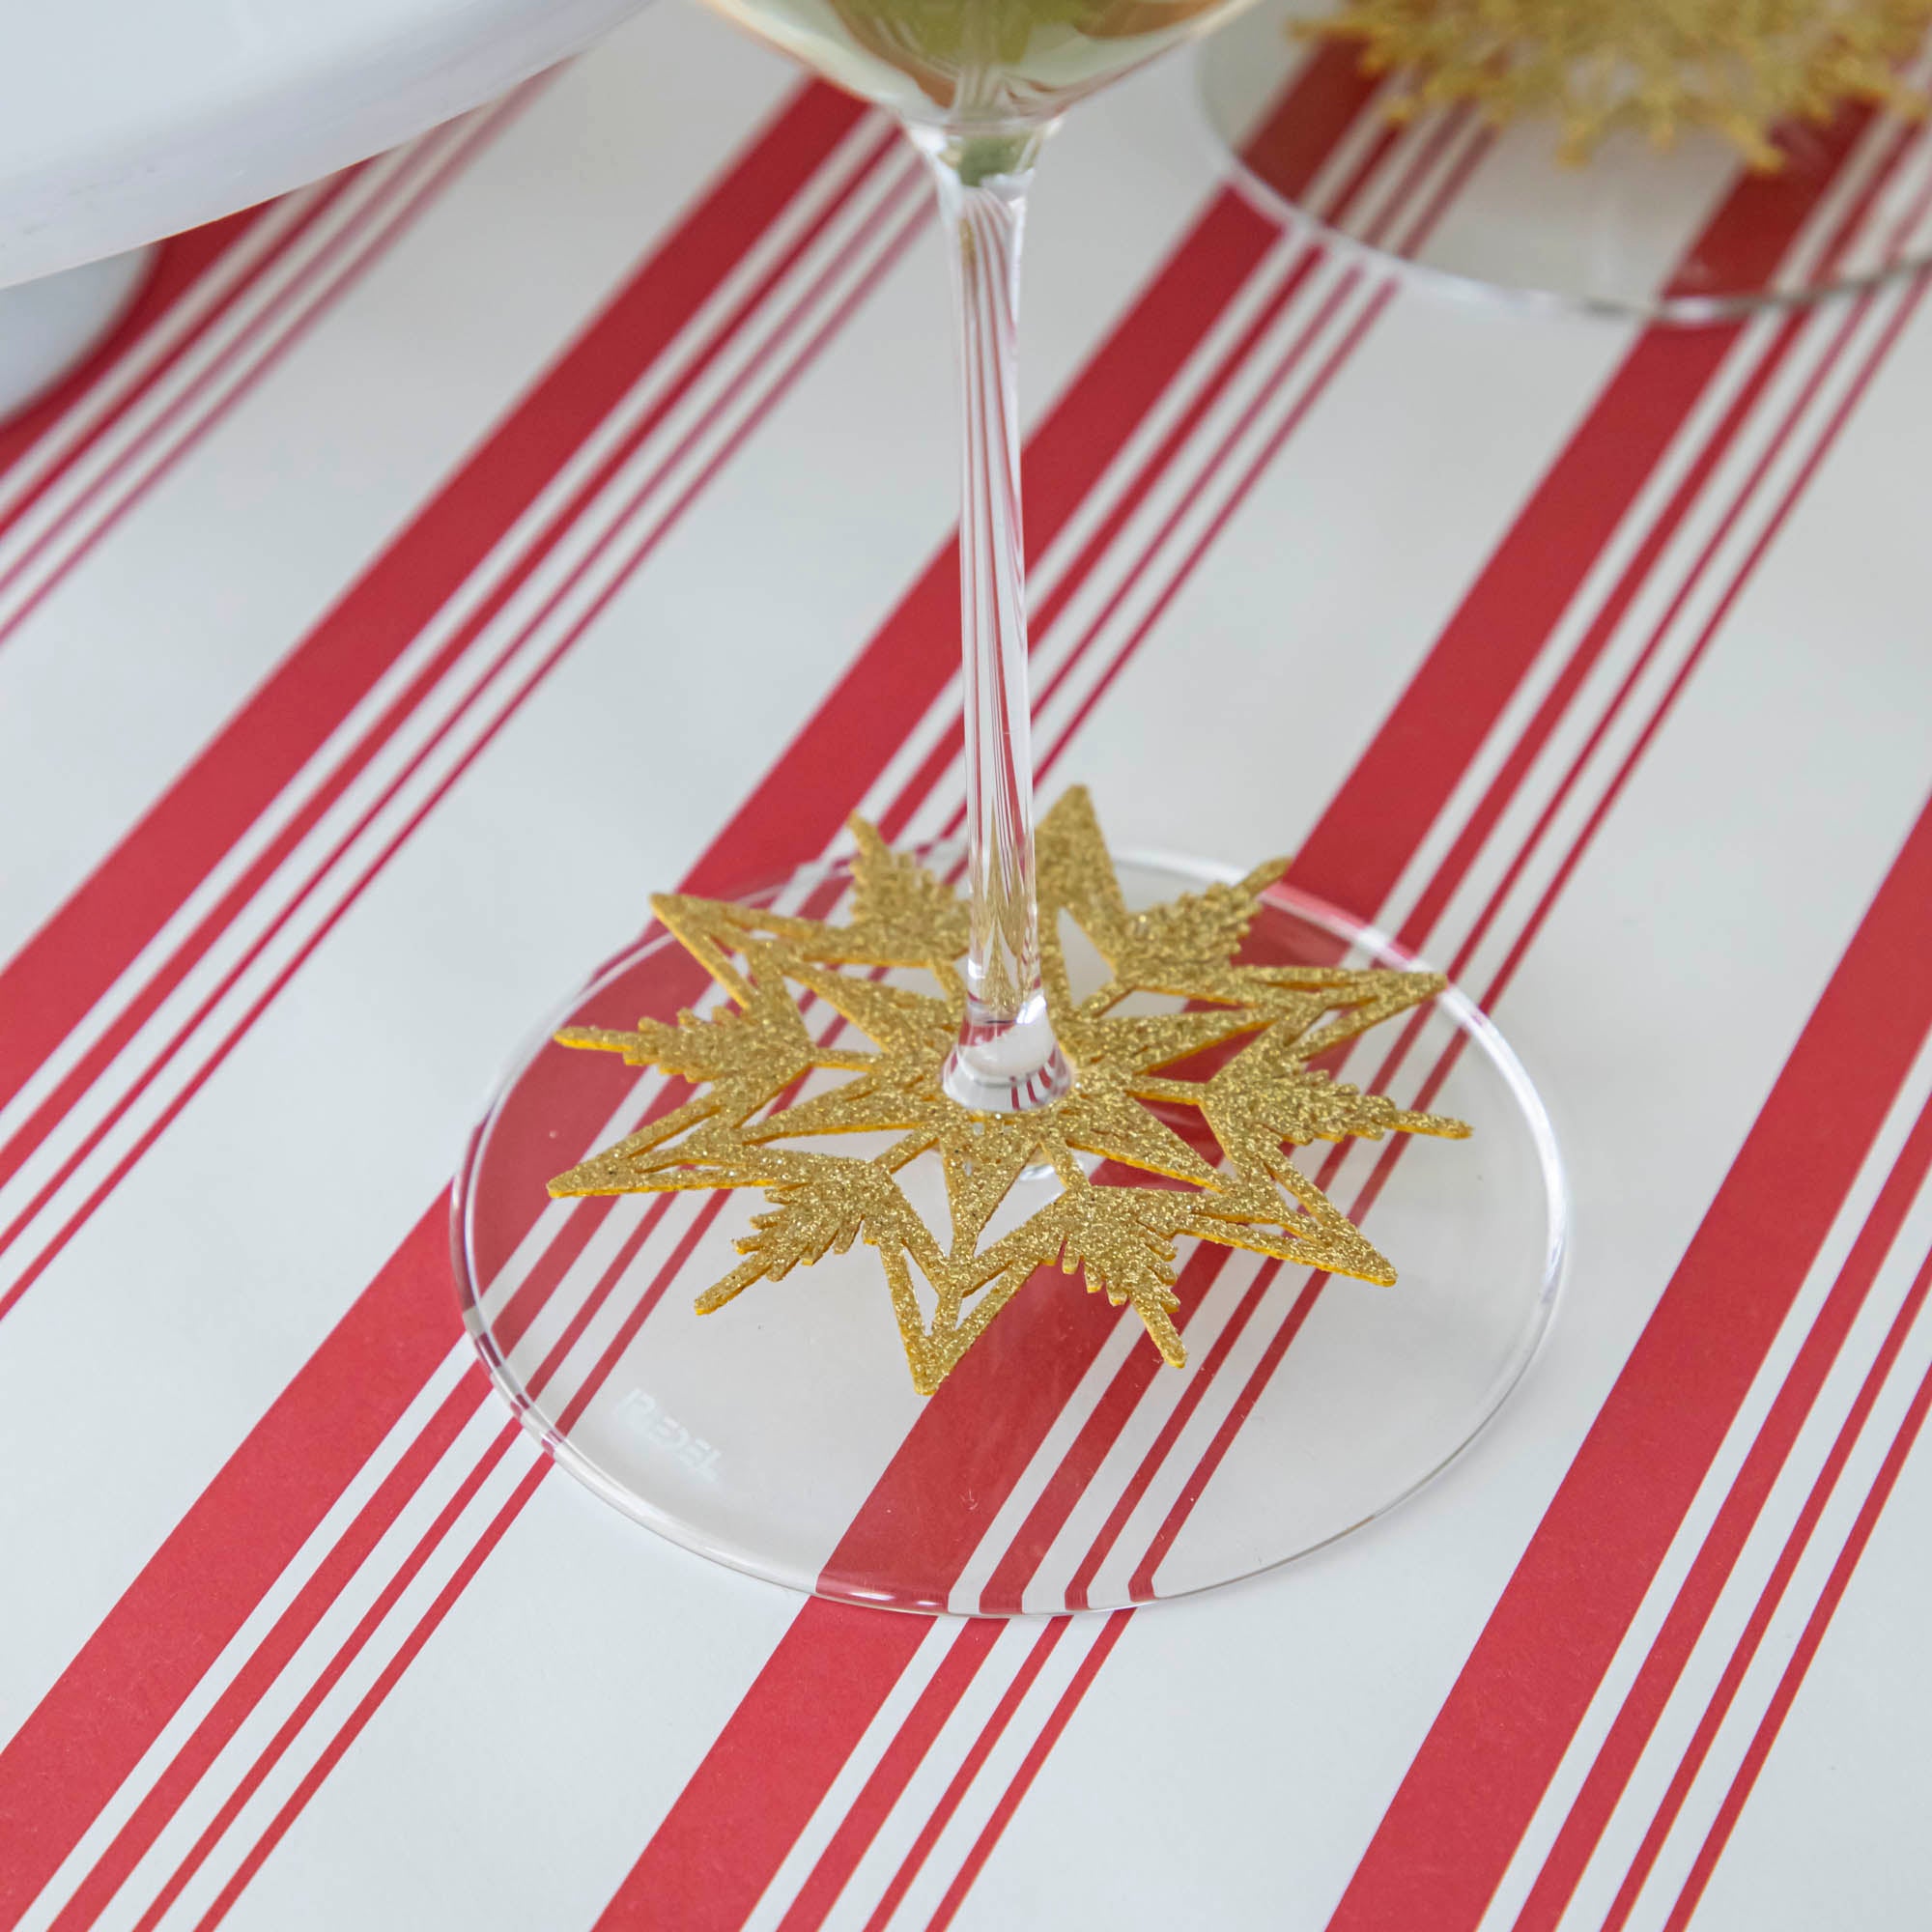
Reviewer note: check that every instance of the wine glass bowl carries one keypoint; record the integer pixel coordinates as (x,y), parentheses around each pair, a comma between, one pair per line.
(973,65)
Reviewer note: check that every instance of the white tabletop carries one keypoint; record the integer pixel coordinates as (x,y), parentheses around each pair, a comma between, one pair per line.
(122,121)
(560,510)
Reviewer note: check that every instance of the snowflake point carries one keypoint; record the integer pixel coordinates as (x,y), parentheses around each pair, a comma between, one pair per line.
(1126,1184)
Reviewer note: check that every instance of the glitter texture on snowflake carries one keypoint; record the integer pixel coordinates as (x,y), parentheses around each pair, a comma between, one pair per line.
(760,1073)
(1737,67)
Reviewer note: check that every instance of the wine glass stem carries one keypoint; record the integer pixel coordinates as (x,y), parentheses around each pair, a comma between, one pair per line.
(1006,1057)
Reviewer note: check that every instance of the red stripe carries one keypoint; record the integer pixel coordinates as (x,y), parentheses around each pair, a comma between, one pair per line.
(892,821)
(372,1699)
(1762,1612)
(1453,183)
(1808,469)
(1005,1588)
(1819,1622)
(723,1818)
(240,896)
(1603,628)
(1769,209)
(522,1308)
(363,251)
(1170,1433)
(548,1275)
(1396,204)
(314,1601)
(85,947)
(908,663)
(1397,200)
(1358,851)
(982,1847)
(903,1756)
(1322,104)
(758,1785)
(1449,1834)
(1591,1811)
(160,1639)
(290,1630)
(75,1919)
(970,1766)
(584,1218)
(1332,366)
(325,196)
(180,263)
(1140,1586)
(1651,355)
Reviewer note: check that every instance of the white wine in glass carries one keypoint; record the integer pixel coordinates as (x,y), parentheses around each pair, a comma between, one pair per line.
(967,64)
(782,1438)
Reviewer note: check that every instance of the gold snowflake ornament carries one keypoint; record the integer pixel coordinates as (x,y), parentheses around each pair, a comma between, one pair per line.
(754,1064)
(1737,67)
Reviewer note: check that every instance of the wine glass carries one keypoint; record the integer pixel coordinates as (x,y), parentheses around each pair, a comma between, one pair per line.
(1059,1465)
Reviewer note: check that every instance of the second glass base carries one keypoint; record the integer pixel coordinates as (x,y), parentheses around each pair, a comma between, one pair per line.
(1686,234)
(1062,1466)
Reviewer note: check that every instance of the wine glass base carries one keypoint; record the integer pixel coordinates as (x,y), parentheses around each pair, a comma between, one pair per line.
(1062,1466)
(1676,234)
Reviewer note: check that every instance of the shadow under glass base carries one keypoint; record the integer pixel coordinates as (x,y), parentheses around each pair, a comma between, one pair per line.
(1062,1466)
(1685,235)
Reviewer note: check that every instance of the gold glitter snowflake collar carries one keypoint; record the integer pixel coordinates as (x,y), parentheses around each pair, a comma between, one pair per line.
(1118,1224)
(1737,67)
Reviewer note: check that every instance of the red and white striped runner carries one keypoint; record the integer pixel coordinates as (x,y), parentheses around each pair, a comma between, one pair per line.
(1597,680)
